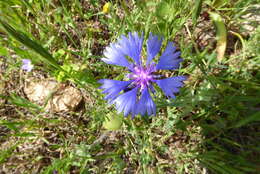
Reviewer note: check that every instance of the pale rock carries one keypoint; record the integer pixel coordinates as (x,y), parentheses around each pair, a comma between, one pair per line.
(58,96)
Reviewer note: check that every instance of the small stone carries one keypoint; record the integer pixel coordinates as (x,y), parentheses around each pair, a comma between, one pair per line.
(38,92)
(59,97)
(66,99)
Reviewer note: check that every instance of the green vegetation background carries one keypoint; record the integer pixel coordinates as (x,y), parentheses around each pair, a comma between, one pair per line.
(211,127)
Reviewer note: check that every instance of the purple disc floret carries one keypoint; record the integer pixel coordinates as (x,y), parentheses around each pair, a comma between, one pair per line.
(27,65)
(142,76)
(134,96)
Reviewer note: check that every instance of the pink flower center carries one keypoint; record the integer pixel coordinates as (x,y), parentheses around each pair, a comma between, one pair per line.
(142,76)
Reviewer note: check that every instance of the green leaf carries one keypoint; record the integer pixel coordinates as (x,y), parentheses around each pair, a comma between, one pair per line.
(11,125)
(5,154)
(24,134)
(219,3)
(19,101)
(3,51)
(196,11)
(164,10)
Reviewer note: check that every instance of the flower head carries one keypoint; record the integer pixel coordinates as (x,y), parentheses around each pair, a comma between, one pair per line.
(27,65)
(134,96)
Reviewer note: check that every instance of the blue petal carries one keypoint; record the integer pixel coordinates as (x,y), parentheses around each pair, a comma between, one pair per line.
(126,102)
(26,61)
(27,68)
(113,87)
(153,47)
(132,46)
(169,59)
(114,55)
(171,85)
(146,104)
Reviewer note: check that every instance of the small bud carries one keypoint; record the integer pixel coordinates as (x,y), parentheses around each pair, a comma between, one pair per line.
(113,122)
(106,7)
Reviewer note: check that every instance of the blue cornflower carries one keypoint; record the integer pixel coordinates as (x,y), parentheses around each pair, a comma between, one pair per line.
(133,96)
(27,65)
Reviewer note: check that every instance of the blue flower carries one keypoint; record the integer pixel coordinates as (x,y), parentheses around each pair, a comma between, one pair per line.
(134,96)
(27,65)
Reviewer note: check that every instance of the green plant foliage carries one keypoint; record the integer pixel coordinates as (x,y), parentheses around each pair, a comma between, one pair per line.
(211,127)
(21,37)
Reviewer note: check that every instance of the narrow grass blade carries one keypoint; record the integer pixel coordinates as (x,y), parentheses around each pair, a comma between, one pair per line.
(22,102)
(196,12)
(21,37)
(219,3)
(221,35)
(252,118)
(6,153)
